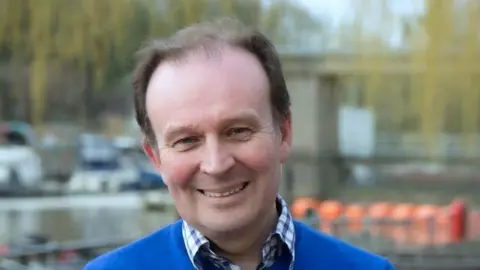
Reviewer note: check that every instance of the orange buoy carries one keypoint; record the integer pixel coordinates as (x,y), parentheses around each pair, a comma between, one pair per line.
(378,212)
(403,211)
(442,235)
(423,213)
(401,230)
(301,205)
(328,211)
(355,213)
(425,224)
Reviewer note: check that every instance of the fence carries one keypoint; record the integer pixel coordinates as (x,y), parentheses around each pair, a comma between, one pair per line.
(55,255)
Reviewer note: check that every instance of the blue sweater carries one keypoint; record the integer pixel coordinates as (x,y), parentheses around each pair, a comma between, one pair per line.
(165,249)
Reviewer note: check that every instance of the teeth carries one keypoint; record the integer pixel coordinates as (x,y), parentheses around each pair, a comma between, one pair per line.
(222,194)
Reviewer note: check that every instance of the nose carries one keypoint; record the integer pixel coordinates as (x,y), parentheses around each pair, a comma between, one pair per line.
(217,159)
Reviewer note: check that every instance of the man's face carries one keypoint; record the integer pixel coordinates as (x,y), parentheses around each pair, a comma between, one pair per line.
(219,149)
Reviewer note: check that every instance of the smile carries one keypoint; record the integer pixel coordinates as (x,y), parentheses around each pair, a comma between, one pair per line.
(225,193)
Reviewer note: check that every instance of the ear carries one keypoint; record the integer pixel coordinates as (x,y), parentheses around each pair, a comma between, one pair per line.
(286,138)
(151,153)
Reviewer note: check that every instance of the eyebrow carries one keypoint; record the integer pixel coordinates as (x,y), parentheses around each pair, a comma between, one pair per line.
(173,130)
(247,116)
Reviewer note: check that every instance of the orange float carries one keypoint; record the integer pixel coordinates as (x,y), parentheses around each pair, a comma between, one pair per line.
(402,228)
(355,213)
(378,212)
(425,226)
(442,236)
(328,211)
(301,205)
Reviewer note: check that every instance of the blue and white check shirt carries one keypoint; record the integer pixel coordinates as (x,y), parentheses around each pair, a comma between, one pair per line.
(198,246)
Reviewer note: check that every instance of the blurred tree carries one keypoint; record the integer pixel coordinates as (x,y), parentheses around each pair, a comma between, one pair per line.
(440,93)
(291,26)
(91,43)
(81,34)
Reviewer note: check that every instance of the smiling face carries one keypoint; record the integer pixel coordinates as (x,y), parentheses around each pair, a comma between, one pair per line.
(219,149)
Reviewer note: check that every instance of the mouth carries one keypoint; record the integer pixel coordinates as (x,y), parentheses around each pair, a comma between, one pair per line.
(225,193)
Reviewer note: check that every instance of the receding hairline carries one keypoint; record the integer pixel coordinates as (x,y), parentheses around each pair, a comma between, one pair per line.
(207,52)
(209,48)
(209,36)
(242,59)
(229,31)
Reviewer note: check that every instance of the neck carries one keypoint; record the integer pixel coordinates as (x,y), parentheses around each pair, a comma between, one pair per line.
(245,246)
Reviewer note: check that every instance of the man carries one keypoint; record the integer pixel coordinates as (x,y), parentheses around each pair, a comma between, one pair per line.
(215,111)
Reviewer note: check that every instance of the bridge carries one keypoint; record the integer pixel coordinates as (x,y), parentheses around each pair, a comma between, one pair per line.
(317,83)
(338,64)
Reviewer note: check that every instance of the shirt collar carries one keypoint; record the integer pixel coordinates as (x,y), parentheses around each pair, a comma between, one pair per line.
(284,231)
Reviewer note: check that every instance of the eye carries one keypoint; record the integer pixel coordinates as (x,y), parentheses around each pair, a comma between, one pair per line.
(185,143)
(240,133)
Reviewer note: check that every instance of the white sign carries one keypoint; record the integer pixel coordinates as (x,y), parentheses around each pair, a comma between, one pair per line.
(356,132)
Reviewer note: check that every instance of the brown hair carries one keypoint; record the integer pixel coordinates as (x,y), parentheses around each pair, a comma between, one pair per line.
(198,36)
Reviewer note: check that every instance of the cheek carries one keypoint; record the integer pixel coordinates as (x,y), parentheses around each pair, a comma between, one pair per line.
(177,171)
(260,157)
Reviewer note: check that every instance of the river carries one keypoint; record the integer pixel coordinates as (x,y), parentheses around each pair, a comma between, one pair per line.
(86,218)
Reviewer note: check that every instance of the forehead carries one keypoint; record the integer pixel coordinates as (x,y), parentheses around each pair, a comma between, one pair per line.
(201,85)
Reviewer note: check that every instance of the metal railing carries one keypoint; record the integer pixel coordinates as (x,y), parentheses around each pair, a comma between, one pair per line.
(50,254)
(409,244)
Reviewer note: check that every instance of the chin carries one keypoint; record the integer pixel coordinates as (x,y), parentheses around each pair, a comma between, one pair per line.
(226,222)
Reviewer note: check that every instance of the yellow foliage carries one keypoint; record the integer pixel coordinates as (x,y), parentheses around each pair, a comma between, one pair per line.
(84,32)
(442,53)
(442,49)
(70,31)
